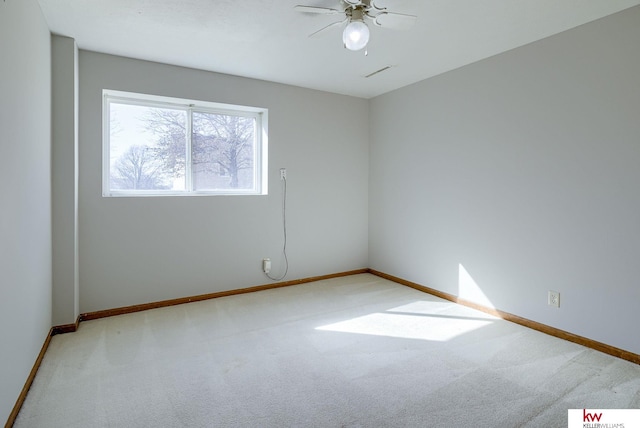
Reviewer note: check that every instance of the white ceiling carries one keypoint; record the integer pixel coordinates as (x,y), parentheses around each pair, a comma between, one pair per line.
(267,39)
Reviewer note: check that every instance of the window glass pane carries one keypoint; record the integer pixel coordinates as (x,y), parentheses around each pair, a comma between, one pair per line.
(161,146)
(147,147)
(223,151)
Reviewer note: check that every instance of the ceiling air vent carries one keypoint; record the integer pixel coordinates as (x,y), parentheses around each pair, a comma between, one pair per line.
(378,71)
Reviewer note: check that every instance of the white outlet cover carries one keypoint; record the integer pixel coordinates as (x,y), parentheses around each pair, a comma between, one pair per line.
(554,299)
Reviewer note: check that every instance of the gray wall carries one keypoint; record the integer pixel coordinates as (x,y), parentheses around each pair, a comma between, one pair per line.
(522,170)
(25,208)
(136,250)
(64,163)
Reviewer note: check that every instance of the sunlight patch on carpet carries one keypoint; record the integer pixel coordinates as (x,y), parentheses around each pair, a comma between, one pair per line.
(420,326)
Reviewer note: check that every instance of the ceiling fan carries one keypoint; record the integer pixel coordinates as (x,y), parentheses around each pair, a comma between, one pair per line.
(356,14)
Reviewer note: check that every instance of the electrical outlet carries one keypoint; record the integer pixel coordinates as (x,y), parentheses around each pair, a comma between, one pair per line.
(553,299)
(283,173)
(266,265)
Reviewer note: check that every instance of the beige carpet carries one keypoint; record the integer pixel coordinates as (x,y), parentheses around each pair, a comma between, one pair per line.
(357,351)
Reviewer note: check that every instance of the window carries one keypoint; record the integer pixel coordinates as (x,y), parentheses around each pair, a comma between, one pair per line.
(154,146)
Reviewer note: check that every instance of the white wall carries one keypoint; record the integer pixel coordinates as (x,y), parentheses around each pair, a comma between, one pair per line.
(25,192)
(136,250)
(524,169)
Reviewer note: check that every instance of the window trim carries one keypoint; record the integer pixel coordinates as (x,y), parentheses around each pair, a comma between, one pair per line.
(190,106)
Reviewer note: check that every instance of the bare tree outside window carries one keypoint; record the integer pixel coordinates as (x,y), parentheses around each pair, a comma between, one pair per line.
(136,161)
(138,169)
(170,130)
(223,151)
(222,147)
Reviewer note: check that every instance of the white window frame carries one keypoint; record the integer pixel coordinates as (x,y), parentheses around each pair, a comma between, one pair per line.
(190,106)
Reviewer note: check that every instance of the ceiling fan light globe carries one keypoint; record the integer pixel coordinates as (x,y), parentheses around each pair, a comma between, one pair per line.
(355,35)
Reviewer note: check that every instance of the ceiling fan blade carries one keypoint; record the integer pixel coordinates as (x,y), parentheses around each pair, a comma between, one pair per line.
(396,21)
(323,29)
(375,7)
(318,10)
